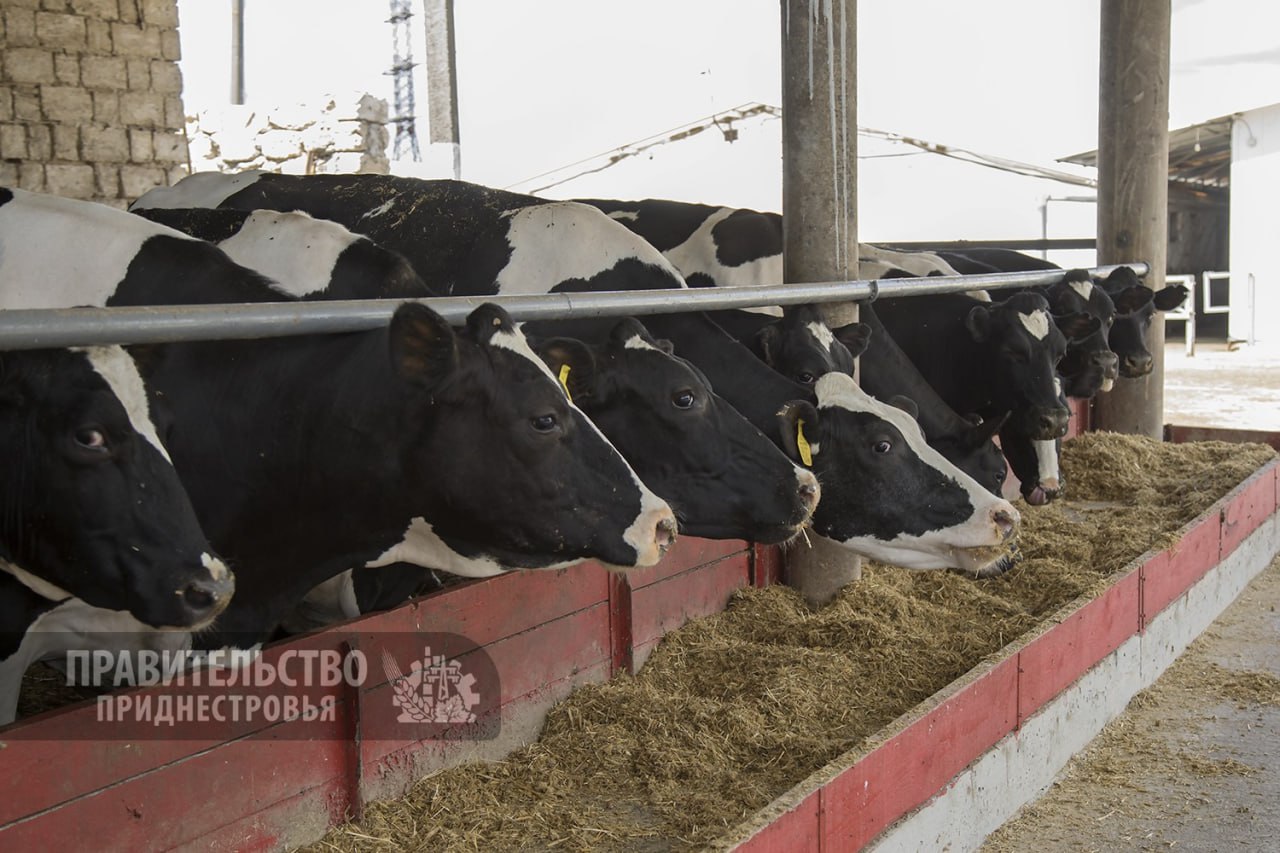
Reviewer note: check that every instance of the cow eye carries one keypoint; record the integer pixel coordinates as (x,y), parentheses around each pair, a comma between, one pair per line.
(806,378)
(92,438)
(682,399)
(882,446)
(544,423)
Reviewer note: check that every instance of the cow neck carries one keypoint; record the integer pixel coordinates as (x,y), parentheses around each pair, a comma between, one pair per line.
(886,371)
(756,390)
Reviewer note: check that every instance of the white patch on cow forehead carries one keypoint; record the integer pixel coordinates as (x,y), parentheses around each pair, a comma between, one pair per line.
(629,215)
(117,367)
(516,342)
(1036,323)
(203,189)
(422,546)
(559,241)
(1057,385)
(637,342)
(821,334)
(1084,288)
(294,249)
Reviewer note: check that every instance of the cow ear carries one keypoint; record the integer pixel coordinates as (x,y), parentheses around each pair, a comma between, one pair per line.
(799,431)
(1169,298)
(1132,298)
(978,322)
(906,404)
(766,341)
(984,431)
(628,328)
(1078,325)
(487,320)
(573,363)
(854,336)
(424,350)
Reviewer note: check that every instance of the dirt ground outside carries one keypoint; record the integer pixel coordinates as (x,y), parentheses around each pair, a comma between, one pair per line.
(1216,387)
(1192,764)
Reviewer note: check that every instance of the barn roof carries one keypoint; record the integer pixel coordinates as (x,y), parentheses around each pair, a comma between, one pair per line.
(1199,154)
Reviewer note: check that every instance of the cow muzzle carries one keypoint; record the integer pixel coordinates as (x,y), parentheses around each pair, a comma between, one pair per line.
(201,600)
(1135,366)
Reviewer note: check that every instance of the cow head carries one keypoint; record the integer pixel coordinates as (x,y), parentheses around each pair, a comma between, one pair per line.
(1022,343)
(973,451)
(1136,304)
(92,507)
(724,478)
(801,347)
(1089,365)
(887,494)
(519,476)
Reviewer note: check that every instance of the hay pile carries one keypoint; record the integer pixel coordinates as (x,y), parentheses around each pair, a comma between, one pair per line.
(733,709)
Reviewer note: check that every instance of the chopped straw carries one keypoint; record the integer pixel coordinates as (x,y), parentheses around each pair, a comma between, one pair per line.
(733,709)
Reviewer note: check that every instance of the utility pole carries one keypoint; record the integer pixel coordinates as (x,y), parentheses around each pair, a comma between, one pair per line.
(442,79)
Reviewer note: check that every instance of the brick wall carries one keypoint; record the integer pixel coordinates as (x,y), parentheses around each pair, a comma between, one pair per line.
(90,97)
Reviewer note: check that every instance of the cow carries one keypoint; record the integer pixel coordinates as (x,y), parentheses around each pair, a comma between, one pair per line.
(801,345)
(413,442)
(1136,306)
(693,449)
(486,241)
(97,535)
(1134,303)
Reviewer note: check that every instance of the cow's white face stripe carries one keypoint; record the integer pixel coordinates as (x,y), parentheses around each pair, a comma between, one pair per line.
(539,234)
(117,367)
(822,335)
(629,215)
(1036,323)
(1047,464)
(294,249)
(203,189)
(1084,288)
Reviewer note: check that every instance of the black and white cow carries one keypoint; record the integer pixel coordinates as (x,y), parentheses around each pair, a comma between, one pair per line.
(97,535)
(305,456)
(486,241)
(727,480)
(1136,306)
(802,346)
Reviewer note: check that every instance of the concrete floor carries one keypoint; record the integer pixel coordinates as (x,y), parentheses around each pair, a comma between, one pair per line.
(1193,763)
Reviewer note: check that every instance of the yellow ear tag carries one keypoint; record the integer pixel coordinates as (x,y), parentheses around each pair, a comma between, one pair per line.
(806,455)
(564,381)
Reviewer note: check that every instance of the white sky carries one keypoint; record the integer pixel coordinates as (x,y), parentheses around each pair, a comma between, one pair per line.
(545,84)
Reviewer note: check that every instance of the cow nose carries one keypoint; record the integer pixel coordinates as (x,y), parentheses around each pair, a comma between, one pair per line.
(665,533)
(1110,364)
(1053,423)
(1137,365)
(810,491)
(1006,521)
(204,598)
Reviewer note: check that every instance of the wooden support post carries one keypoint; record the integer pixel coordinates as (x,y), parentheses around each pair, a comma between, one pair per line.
(1133,183)
(820,204)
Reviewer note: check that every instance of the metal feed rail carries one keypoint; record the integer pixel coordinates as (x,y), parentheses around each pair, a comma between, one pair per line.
(36,328)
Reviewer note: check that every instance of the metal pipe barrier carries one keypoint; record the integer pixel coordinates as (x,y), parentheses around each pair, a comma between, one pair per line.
(39,328)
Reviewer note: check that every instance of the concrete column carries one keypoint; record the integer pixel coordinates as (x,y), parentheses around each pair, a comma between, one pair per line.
(1133,183)
(819,204)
